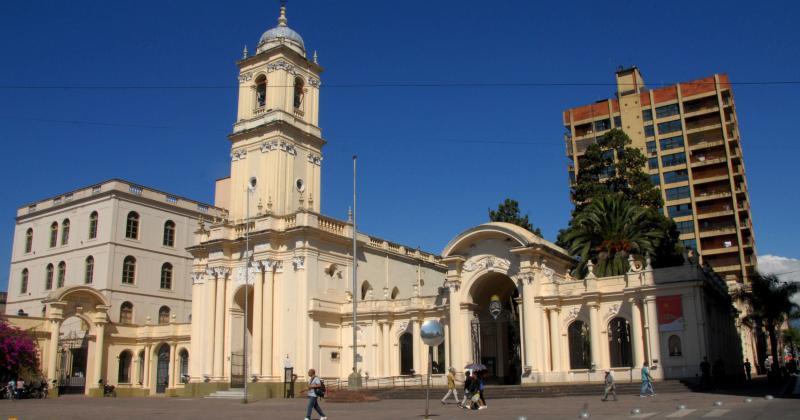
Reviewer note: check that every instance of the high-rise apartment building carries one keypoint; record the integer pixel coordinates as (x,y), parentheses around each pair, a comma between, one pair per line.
(690,135)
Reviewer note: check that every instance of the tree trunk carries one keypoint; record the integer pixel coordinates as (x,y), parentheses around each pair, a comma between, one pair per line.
(773,343)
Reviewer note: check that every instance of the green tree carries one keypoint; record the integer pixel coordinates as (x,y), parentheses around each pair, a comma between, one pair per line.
(769,304)
(508,211)
(609,230)
(612,166)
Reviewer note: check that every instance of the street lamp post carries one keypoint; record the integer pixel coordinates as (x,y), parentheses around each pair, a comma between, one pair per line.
(251,186)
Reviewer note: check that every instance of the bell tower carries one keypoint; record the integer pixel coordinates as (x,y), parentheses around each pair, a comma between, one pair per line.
(276,144)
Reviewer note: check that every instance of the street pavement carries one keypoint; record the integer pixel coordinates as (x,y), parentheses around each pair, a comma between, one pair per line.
(695,406)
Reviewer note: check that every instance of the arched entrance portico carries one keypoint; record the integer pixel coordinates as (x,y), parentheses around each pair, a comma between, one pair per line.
(239,334)
(73,353)
(495,328)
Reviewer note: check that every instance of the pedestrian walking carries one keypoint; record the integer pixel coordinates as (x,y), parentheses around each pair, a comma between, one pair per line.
(610,387)
(316,390)
(465,403)
(647,381)
(482,383)
(748,369)
(718,372)
(451,386)
(705,374)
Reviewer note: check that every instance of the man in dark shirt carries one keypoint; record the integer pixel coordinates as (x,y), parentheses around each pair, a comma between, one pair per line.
(705,374)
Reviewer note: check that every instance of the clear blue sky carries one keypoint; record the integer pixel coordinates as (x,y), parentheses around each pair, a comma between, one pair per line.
(432,160)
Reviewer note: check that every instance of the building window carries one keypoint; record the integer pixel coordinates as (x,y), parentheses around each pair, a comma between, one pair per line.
(28,240)
(652,163)
(655,179)
(126,313)
(365,289)
(140,368)
(676,176)
(647,115)
(169,233)
(93,225)
(129,270)
(667,111)
(89,275)
(184,366)
(679,210)
(166,276)
(48,282)
(617,121)
(53,234)
(619,342)
(65,232)
(406,354)
(608,171)
(685,227)
(298,92)
(689,244)
(669,127)
(132,226)
(62,274)
(674,343)
(651,147)
(261,91)
(23,281)
(579,345)
(671,142)
(602,125)
(124,375)
(163,315)
(677,193)
(649,131)
(673,159)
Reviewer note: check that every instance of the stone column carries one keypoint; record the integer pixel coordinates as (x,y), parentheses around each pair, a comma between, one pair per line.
(208,325)
(146,370)
(529,325)
(55,312)
(268,309)
(100,318)
(594,334)
(540,319)
(636,333)
(555,340)
(387,349)
(654,349)
(417,346)
(173,367)
(258,310)
(456,344)
(219,324)
(196,345)
(448,362)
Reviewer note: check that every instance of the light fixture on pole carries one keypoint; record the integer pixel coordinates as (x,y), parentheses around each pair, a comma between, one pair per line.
(354,380)
(251,187)
(432,334)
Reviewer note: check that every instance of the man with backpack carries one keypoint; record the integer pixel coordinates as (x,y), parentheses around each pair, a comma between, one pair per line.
(316,390)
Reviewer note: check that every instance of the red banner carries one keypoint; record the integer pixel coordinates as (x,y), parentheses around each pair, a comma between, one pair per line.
(670,313)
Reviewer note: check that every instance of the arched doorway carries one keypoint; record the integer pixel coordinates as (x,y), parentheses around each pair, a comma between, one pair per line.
(162,369)
(239,335)
(495,328)
(406,354)
(619,342)
(73,345)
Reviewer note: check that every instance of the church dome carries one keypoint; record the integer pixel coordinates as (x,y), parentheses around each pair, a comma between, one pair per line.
(281,35)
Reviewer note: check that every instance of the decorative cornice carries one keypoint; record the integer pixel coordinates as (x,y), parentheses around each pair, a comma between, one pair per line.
(287,147)
(245,77)
(315,159)
(238,155)
(299,263)
(488,262)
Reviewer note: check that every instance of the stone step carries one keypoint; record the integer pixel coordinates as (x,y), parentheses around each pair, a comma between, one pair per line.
(230,394)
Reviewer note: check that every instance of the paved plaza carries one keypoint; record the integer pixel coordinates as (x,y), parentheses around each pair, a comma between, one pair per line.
(661,406)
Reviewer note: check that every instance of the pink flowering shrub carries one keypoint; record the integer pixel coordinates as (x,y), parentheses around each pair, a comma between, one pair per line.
(18,356)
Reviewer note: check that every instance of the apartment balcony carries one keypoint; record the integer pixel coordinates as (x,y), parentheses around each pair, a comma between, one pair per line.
(708,161)
(720,250)
(717,213)
(689,112)
(726,268)
(706,196)
(704,144)
(717,231)
(714,178)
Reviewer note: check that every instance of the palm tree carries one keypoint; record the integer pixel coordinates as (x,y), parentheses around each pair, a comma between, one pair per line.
(769,304)
(609,230)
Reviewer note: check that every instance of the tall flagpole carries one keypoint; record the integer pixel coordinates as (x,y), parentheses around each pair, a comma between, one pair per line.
(355,269)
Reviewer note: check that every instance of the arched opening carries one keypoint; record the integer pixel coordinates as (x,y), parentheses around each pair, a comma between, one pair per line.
(495,329)
(162,369)
(65,232)
(93,225)
(132,226)
(169,234)
(366,288)
(140,368)
(126,313)
(579,345)
(53,234)
(239,334)
(184,366)
(73,347)
(89,270)
(129,270)
(23,282)
(395,292)
(48,281)
(619,342)
(166,276)
(261,91)
(124,371)
(674,346)
(163,315)
(28,240)
(298,92)
(62,274)
(406,354)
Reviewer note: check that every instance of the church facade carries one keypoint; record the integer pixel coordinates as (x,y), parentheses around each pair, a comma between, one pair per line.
(270,284)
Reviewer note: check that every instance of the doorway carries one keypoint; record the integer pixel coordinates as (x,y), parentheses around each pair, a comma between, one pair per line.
(73,346)
(162,369)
